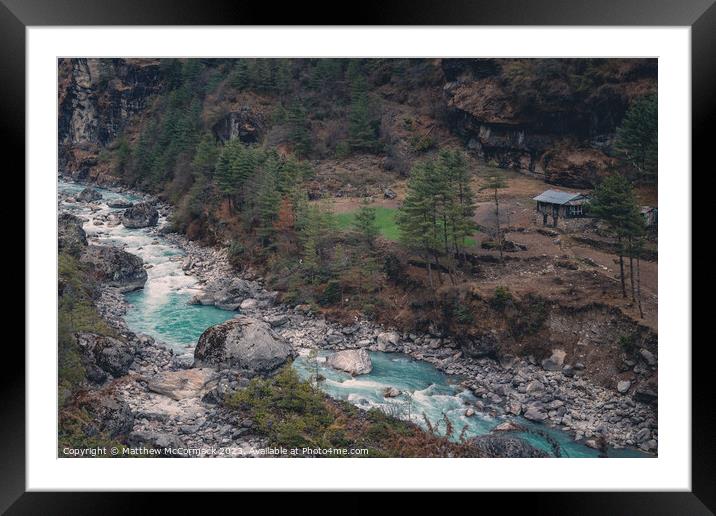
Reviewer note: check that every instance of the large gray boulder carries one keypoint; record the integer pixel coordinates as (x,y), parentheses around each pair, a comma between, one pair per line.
(71,238)
(141,215)
(227,293)
(116,267)
(103,355)
(89,195)
(353,361)
(500,446)
(243,343)
(554,362)
(186,383)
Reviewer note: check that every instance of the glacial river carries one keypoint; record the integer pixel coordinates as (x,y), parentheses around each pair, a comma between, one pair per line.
(161,309)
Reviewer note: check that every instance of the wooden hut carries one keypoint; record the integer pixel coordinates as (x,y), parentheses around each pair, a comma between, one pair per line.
(558,204)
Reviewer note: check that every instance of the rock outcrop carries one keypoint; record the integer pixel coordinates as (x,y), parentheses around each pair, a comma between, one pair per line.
(562,129)
(477,346)
(243,343)
(498,446)
(140,215)
(98,98)
(88,195)
(103,355)
(353,361)
(244,124)
(234,294)
(115,267)
(71,238)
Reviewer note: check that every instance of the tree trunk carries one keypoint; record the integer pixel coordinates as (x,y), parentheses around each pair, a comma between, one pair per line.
(430,273)
(497,223)
(638,282)
(621,267)
(631,269)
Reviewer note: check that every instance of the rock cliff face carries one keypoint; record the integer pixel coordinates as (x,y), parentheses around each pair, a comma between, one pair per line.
(552,119)
(96,100)
(555,119)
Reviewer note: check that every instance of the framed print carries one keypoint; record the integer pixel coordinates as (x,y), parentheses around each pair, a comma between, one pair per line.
(423,244)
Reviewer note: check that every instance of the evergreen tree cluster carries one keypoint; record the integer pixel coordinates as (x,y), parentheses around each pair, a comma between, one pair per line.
(638,137)
(436,217)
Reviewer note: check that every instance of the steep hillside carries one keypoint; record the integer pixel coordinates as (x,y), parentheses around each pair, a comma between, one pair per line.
(555,119)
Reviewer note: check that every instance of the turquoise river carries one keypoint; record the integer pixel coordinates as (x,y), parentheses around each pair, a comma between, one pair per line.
(161,309)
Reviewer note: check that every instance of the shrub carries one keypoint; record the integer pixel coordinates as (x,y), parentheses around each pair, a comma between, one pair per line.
(422,143)
(343,150)
(501,299)
(331,294)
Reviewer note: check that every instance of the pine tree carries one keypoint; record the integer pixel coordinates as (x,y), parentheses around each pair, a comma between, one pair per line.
(417,218)
(365,223)
(206,155)
(223,174)
(361,125)
(299,130)
(637,137)
(613,202)
(240,78)
(461,206)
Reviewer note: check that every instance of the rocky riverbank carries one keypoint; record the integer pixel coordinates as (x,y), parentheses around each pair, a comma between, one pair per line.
(174,404)
(564,398)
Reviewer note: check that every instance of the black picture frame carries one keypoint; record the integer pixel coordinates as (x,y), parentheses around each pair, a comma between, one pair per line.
(700,15)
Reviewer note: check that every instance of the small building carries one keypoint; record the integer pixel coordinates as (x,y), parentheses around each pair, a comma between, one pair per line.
(650,215)
(560,205)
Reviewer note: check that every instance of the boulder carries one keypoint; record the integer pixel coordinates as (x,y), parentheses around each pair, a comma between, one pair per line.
(276,320)
(120,203)
(141,215)
(228,293)
(249,304)
(555,362)
(156,440)
(514,407)
(387,339)
(535,386)
(108,354)
(534,413)
(71,238)
(500,446)
(646,394)
(244,343)
(108,413)
(469,412)
(508,426)
(116,267)
(391,392)
(648,356)
(89,195)
(623,386)
(353,361)
(187,383)
(389,194)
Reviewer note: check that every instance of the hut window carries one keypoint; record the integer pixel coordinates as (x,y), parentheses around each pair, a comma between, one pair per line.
(575,210)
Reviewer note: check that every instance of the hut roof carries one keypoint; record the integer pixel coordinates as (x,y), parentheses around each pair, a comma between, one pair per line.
(558,197)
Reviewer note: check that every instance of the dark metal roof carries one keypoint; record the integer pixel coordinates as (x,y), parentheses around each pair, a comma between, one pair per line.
(557,197)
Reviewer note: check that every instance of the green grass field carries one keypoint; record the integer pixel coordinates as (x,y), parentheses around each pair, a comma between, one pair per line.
(385,218)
